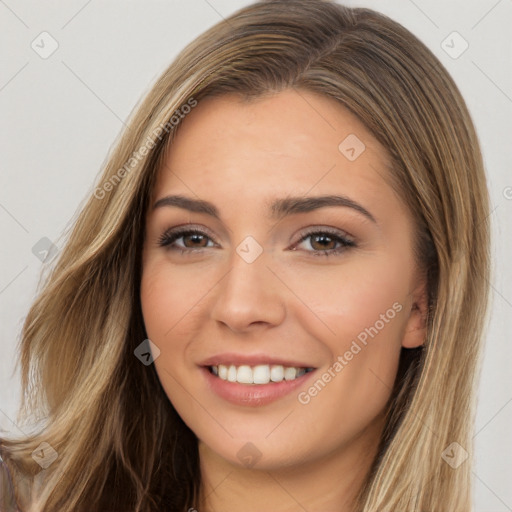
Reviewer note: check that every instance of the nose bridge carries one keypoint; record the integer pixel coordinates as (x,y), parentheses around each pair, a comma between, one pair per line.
(249,292)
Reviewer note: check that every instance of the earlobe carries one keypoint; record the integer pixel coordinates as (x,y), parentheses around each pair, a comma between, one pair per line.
(416,327)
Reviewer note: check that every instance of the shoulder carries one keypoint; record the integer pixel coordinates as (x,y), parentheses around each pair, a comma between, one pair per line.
(14,487)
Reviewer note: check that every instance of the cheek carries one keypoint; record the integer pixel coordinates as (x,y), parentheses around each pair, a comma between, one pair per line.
(359,314)
(169,299)
(171,308)
(162,310)
(156,297)
(356,299)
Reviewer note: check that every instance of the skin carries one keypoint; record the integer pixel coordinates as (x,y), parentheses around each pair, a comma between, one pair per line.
(289,303)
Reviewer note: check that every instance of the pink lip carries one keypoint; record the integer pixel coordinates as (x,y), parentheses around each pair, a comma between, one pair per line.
(252,395)
(229,358)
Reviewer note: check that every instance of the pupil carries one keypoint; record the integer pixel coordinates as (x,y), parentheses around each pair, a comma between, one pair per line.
(323,240)
(196,238)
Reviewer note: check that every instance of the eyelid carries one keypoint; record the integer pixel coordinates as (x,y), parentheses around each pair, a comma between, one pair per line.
(326,229)
(341,237)
(182,229)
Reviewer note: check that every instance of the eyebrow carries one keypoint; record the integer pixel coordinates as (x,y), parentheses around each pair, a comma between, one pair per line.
(279,208)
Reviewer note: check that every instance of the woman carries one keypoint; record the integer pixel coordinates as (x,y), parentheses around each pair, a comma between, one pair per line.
(274,299)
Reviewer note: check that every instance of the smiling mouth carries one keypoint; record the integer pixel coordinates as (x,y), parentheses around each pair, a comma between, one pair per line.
(259,374)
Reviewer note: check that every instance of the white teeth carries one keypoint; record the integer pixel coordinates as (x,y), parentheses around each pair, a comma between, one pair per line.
(276,373)
(260,374)
(232,373)
(244,375)
(290,373)
(223,371)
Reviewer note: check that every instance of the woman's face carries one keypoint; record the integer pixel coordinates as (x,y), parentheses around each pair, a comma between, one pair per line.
(285,264)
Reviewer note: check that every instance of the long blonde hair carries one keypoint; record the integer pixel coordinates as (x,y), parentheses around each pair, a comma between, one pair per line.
(78,367)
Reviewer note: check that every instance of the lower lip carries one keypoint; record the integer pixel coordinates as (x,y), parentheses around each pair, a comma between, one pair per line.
(252,395)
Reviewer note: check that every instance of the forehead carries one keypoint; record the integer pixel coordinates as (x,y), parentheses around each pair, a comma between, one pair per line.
(290,143)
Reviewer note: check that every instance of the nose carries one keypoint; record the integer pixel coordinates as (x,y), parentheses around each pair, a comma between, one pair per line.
(249,295)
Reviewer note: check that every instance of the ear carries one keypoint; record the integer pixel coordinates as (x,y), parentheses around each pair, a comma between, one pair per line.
(415,330)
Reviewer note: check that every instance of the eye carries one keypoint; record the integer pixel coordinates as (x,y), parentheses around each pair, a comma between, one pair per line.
(326,242)
(323,242)
(185,239)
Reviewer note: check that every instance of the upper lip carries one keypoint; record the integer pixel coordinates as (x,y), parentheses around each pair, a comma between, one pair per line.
(252,360)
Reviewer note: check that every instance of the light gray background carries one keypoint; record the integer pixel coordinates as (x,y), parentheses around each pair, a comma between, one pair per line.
(59,116)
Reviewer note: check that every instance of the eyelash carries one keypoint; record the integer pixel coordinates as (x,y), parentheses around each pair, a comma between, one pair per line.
(171,235)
